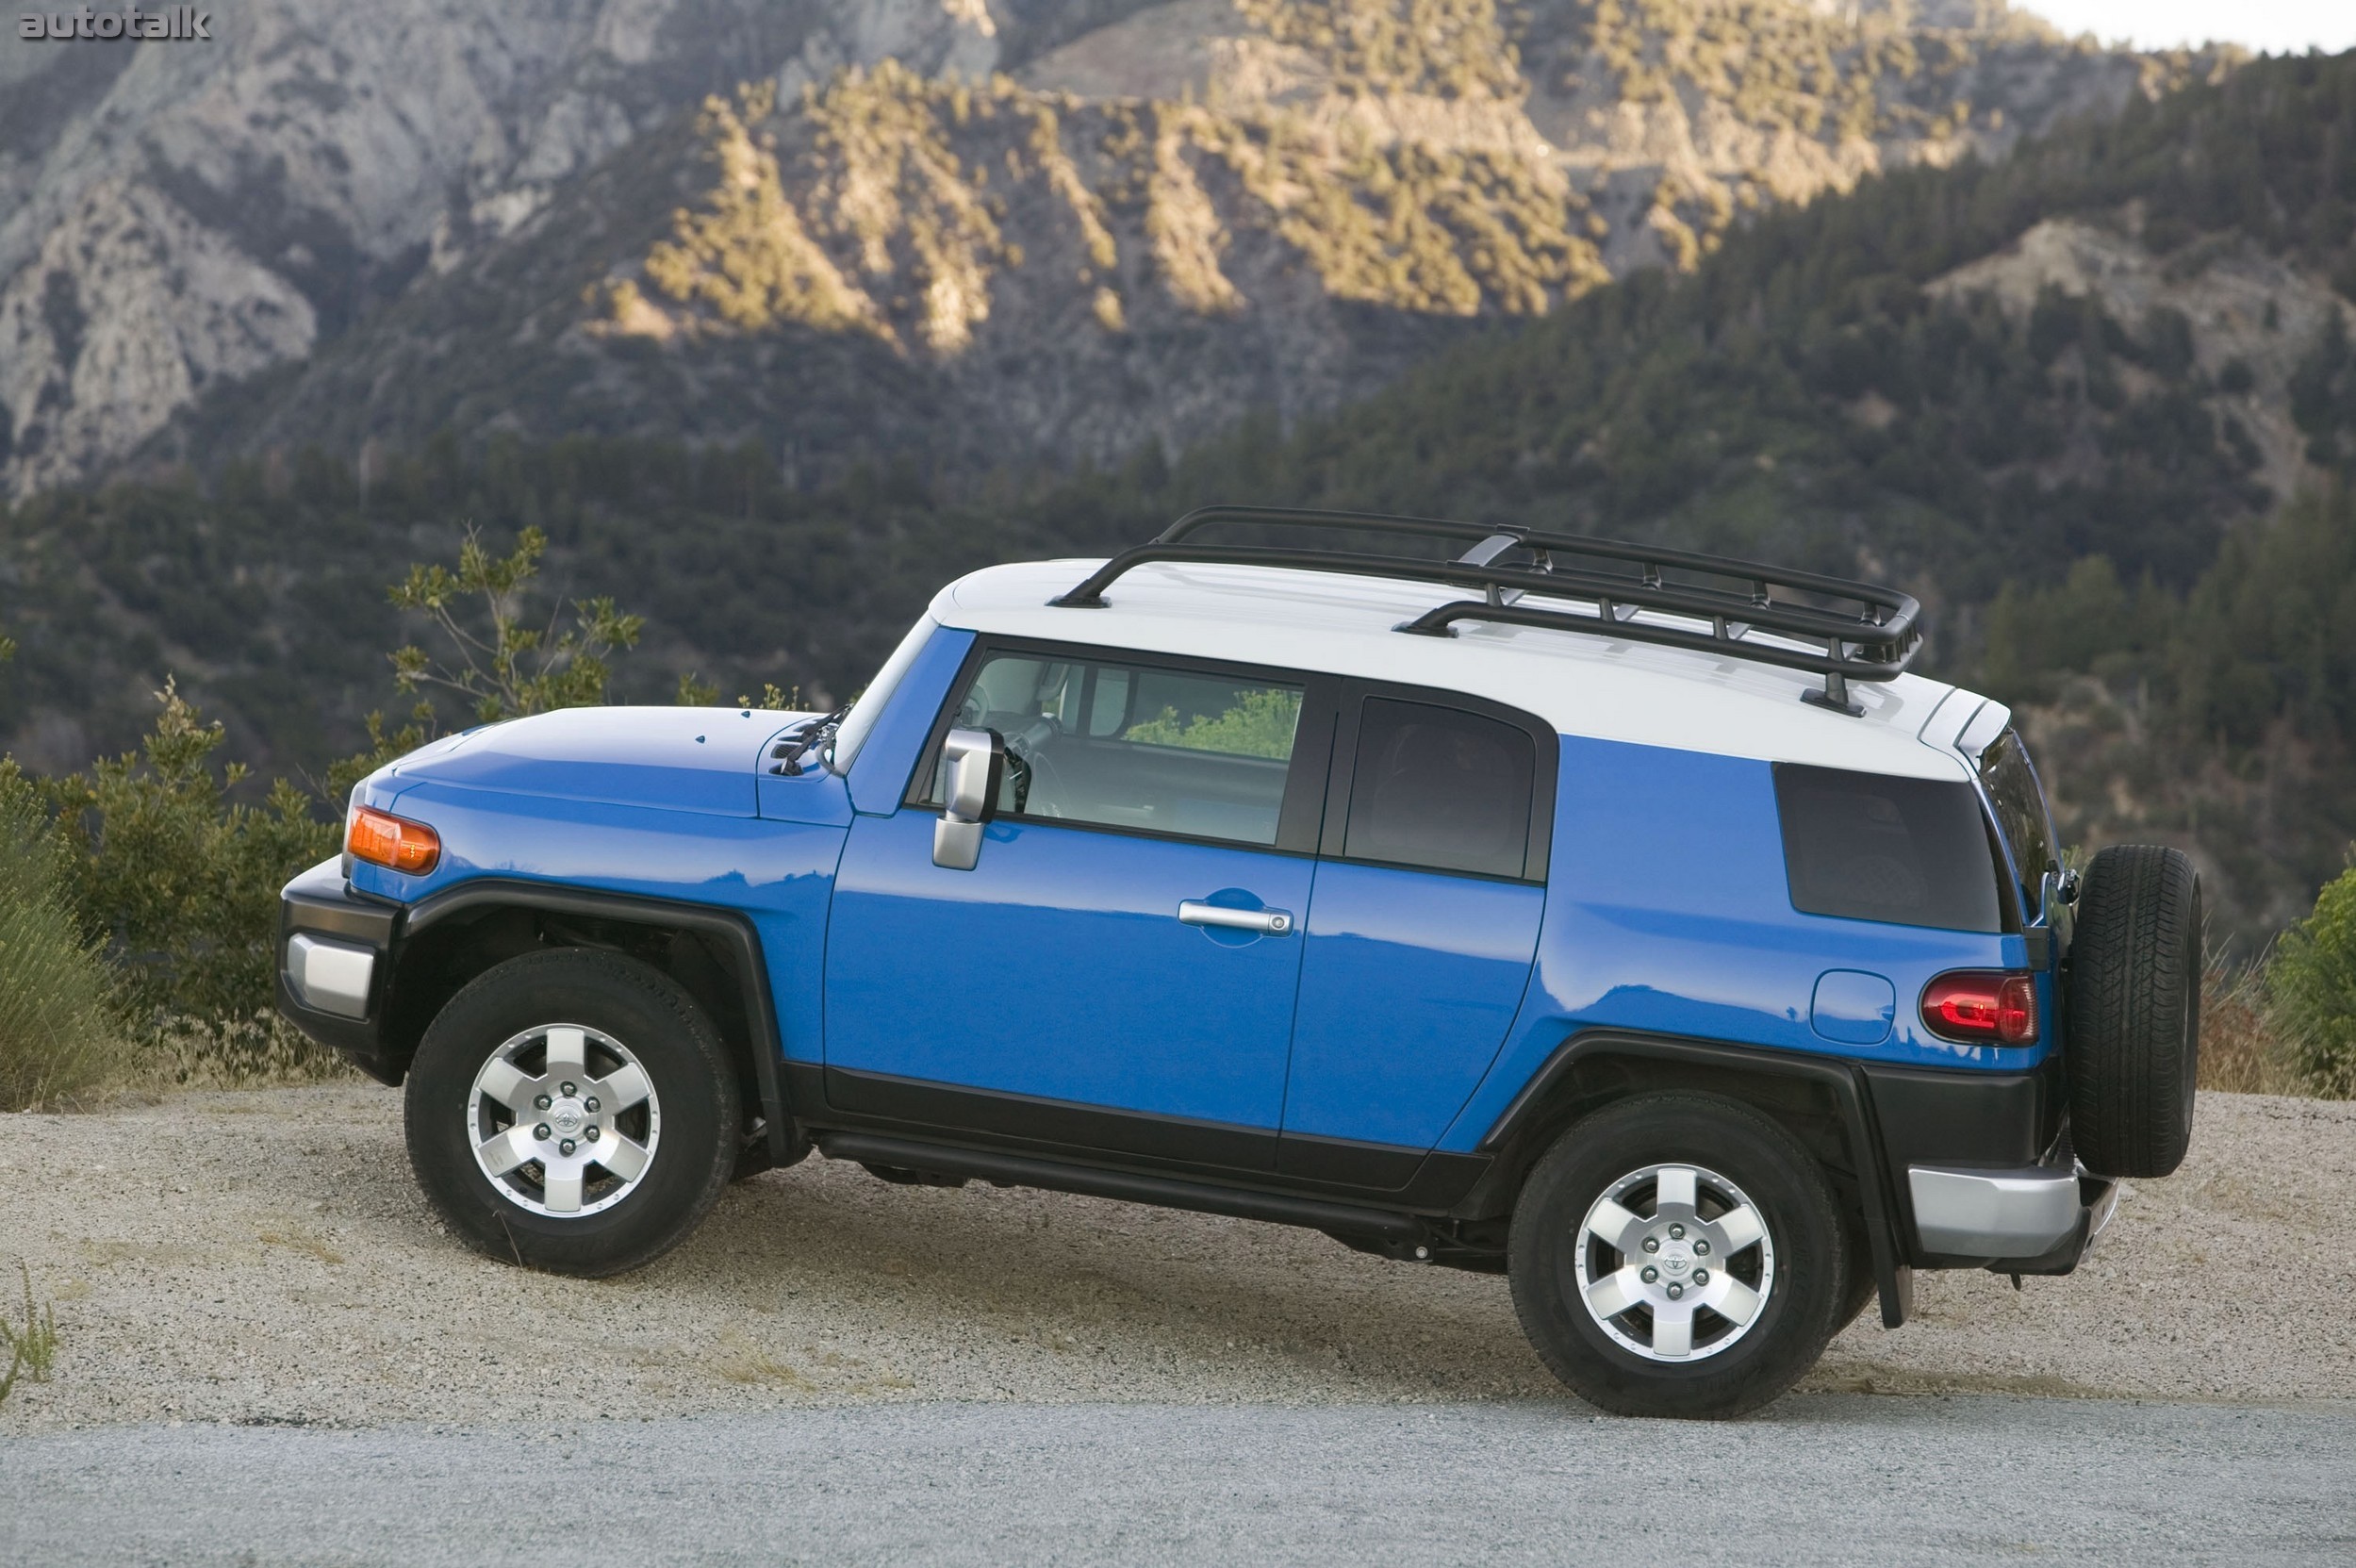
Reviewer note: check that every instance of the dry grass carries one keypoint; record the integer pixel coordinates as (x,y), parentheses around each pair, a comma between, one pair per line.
(33,1347)
(267,1052)
(2241,1050)
(59,1035)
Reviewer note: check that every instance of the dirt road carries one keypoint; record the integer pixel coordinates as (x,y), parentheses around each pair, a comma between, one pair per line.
(264,1258)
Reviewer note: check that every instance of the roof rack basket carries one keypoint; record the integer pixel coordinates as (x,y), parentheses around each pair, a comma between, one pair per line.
(1847,630)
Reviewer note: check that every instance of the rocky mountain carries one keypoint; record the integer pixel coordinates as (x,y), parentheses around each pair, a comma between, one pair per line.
(979,233)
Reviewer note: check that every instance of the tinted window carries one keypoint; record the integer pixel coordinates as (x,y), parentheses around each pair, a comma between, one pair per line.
(2012,787)
(1911,851)
(1133,746)
(1440,788)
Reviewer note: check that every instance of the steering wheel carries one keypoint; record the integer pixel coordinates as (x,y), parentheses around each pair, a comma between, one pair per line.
(1028,766)
(1018,773)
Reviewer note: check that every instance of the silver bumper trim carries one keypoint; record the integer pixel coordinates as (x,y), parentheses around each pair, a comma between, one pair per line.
(1994,1213)
(330,977)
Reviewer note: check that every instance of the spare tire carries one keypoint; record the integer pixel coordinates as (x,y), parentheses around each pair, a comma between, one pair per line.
(2131,1011)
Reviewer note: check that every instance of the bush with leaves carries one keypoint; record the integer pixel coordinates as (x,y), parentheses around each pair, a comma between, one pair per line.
(58,1033)
(2312,985)
(506,669)
(179,880)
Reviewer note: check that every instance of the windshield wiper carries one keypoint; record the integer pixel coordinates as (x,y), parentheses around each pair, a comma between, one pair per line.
(812,733)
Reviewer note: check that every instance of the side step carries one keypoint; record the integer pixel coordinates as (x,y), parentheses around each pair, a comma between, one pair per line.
(1017,1170)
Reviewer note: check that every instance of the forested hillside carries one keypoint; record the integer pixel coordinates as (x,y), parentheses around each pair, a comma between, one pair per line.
(2071,399)
(979,233)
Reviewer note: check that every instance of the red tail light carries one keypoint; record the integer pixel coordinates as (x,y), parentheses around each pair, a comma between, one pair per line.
(382,839)
(1982,1007)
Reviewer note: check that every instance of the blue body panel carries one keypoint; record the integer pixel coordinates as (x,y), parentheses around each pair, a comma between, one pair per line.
(1409,985)
(816,796)
(1058,968)
(1409,1009)
(696,760)
(1668,911)
(779,874)
(1853,1008)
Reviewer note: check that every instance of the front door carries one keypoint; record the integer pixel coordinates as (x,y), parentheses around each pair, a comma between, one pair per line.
(1105,977)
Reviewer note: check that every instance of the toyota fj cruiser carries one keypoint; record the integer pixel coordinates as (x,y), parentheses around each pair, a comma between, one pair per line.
(1624,920)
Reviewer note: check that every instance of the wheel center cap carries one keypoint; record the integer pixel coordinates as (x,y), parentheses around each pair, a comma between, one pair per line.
(1675,1259)
(567,1117)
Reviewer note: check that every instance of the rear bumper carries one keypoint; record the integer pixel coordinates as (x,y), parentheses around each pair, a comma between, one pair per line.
(2038,1219)
(1982,1170)
(334,952)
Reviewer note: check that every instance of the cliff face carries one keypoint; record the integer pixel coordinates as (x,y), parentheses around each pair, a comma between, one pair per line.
(982,232)
(175,215)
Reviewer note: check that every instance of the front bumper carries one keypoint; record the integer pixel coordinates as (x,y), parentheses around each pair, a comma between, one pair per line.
(334,949)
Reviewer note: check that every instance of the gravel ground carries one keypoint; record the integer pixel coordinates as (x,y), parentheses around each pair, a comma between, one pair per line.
(263,1258)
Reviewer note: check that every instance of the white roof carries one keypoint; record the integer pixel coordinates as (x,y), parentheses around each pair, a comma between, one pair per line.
(1598,687)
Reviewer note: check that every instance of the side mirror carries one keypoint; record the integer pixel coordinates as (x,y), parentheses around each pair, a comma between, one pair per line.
(977,760)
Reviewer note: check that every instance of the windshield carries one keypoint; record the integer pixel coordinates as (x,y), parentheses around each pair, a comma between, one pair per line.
(869,704)
(2019,805)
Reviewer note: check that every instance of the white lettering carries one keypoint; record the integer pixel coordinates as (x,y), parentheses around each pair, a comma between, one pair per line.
(204,22)
(31,27)
(111,25)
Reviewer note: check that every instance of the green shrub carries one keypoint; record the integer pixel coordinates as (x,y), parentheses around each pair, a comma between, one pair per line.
(178,882)
(2312,985)
(58,1033)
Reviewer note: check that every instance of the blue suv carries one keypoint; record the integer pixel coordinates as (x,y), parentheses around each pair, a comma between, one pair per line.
(1623,920)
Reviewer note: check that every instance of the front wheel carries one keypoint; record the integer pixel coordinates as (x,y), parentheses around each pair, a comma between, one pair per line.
(572,1110)
(1678,1255)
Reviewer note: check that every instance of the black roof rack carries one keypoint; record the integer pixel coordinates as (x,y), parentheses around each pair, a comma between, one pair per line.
(1855,630)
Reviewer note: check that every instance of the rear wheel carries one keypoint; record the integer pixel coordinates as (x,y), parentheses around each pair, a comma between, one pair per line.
(1678,1255)
(572,1110)
(2133,1012)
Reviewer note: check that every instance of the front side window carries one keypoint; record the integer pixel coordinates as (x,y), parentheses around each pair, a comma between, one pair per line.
(1871,847)
(1141,747)
(1441,789)
(2019,804)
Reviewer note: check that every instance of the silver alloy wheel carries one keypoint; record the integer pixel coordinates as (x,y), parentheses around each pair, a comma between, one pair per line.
(1684,1281)
(564,1120)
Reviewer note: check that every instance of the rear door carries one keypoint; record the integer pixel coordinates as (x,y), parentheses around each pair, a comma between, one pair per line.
(1111,974)
(1421,929)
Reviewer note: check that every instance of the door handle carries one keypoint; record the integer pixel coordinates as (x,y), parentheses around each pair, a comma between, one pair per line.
(1268,922)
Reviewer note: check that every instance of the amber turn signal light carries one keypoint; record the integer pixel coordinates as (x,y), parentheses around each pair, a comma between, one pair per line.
(382,839)
(1990,1009)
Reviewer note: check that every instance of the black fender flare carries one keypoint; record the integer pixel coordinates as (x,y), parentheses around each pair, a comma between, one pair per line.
(732,928)
(1841,1081)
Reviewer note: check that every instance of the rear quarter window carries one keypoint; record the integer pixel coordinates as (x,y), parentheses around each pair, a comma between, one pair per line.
(1870,846)
(2012,784)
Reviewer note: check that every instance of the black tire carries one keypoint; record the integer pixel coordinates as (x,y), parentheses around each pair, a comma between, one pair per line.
(2131,1038)
(1802,1306)
(693,1084)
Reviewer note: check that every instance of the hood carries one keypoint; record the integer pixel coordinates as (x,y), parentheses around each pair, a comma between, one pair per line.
(672,759)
